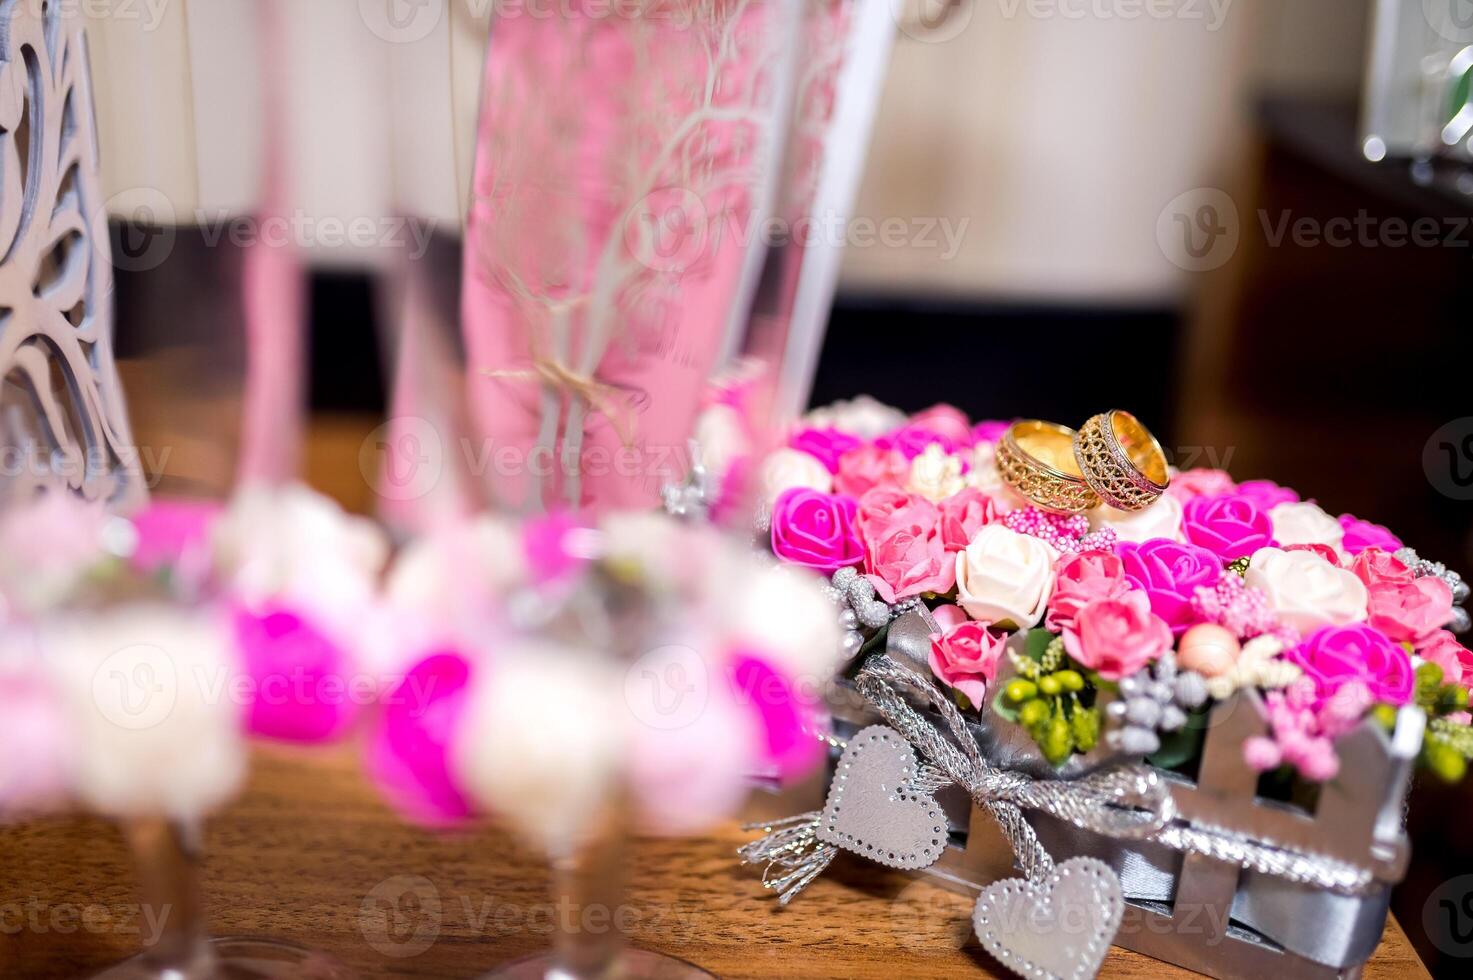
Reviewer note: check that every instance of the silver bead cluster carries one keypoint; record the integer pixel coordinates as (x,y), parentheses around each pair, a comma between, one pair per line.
(862,608)
(691,499)
(1152,700)
(1420,567)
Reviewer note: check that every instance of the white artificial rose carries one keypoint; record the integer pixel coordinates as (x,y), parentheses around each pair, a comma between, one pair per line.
(1161,519)
(1004,575)
(149,700)
(542,741)
(862,417)
(1305,590)
(720,438)
(295,545)
(788,468)
(781,611)
(935,474)
(984,475)
(1306,523)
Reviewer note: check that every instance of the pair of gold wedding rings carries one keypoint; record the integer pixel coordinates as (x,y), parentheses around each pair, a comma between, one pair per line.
(1113,459)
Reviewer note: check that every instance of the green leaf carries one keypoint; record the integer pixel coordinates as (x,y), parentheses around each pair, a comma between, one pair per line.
(1037,642)
(1177,748)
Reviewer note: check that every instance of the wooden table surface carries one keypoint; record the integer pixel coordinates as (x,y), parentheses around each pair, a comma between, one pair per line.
(309,855)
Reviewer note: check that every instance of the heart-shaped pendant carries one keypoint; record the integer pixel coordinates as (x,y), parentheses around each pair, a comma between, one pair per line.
(874,809)
(1058,928)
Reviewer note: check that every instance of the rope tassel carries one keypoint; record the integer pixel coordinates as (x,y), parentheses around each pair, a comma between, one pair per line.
(791,852)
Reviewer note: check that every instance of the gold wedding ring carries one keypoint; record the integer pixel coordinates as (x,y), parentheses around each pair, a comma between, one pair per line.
(1121,461)
(1037,459)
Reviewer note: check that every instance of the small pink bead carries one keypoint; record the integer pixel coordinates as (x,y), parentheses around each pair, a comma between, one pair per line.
(1209,649)
(1261,754)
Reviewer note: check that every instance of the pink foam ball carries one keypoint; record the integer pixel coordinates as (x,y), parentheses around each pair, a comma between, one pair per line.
(35,762)
(300,686)
(409,750)
(1208,649)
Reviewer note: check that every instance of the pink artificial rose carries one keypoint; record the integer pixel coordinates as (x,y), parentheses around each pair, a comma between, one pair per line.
(881,505)
(816,529)
(825,445)
(905,554)
(1080,579)
(948,421)
(1375,567)
(1117,637)
(1170,575)
(300,683)
(1202,482)
(965,658)
(861,470)
(1335,656)
(963,515)
(172,531)
(1230,527)
(1444,650)
(990,430)
(1360,535)
(786,720)
(408,754)
(1409,611)
(1266,494)
(1323,550)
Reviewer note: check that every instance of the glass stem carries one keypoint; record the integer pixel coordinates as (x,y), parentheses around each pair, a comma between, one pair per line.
(588,887)
(172,915)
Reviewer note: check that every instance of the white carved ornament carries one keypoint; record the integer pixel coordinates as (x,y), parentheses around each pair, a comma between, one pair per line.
(63,424)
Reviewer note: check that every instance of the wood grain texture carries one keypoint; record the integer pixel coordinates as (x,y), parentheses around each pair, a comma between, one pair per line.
(309,854)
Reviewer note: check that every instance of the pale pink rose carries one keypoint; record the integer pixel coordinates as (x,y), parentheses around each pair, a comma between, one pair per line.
(1117,637)
(1444,650)
(905,554)
(945,420)
(965,658)
(880,505)
(1201,483)
(861,470)
(963,515)
(1080,579)
(1374,567)
(1409,611)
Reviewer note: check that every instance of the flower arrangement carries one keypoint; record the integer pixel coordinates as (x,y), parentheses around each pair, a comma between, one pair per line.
(1216,587)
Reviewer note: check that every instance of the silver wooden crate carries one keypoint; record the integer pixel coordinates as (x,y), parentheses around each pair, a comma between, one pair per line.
(1199,913)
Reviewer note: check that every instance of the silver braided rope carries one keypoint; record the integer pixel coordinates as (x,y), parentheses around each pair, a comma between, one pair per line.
(1126,802)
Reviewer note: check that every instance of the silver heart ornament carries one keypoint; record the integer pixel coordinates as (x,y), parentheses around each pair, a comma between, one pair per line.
(874,808)
(1055,928)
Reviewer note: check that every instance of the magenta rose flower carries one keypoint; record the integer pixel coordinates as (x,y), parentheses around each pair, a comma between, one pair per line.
(965,658)
(1080,579)
(905,554)
(1266,494)
(1333,657)
(824,445)
(990,430)
(962,516)
(1409,611)
(1170,575)
(1456,660)
(816,529)
(1117,637)
(1374,567)
(1360,535)
(1229,527)
(946,420)
(1202,482)
(861,470)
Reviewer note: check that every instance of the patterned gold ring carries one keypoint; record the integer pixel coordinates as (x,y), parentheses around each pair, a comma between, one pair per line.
(1037,460)
(1121,461)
